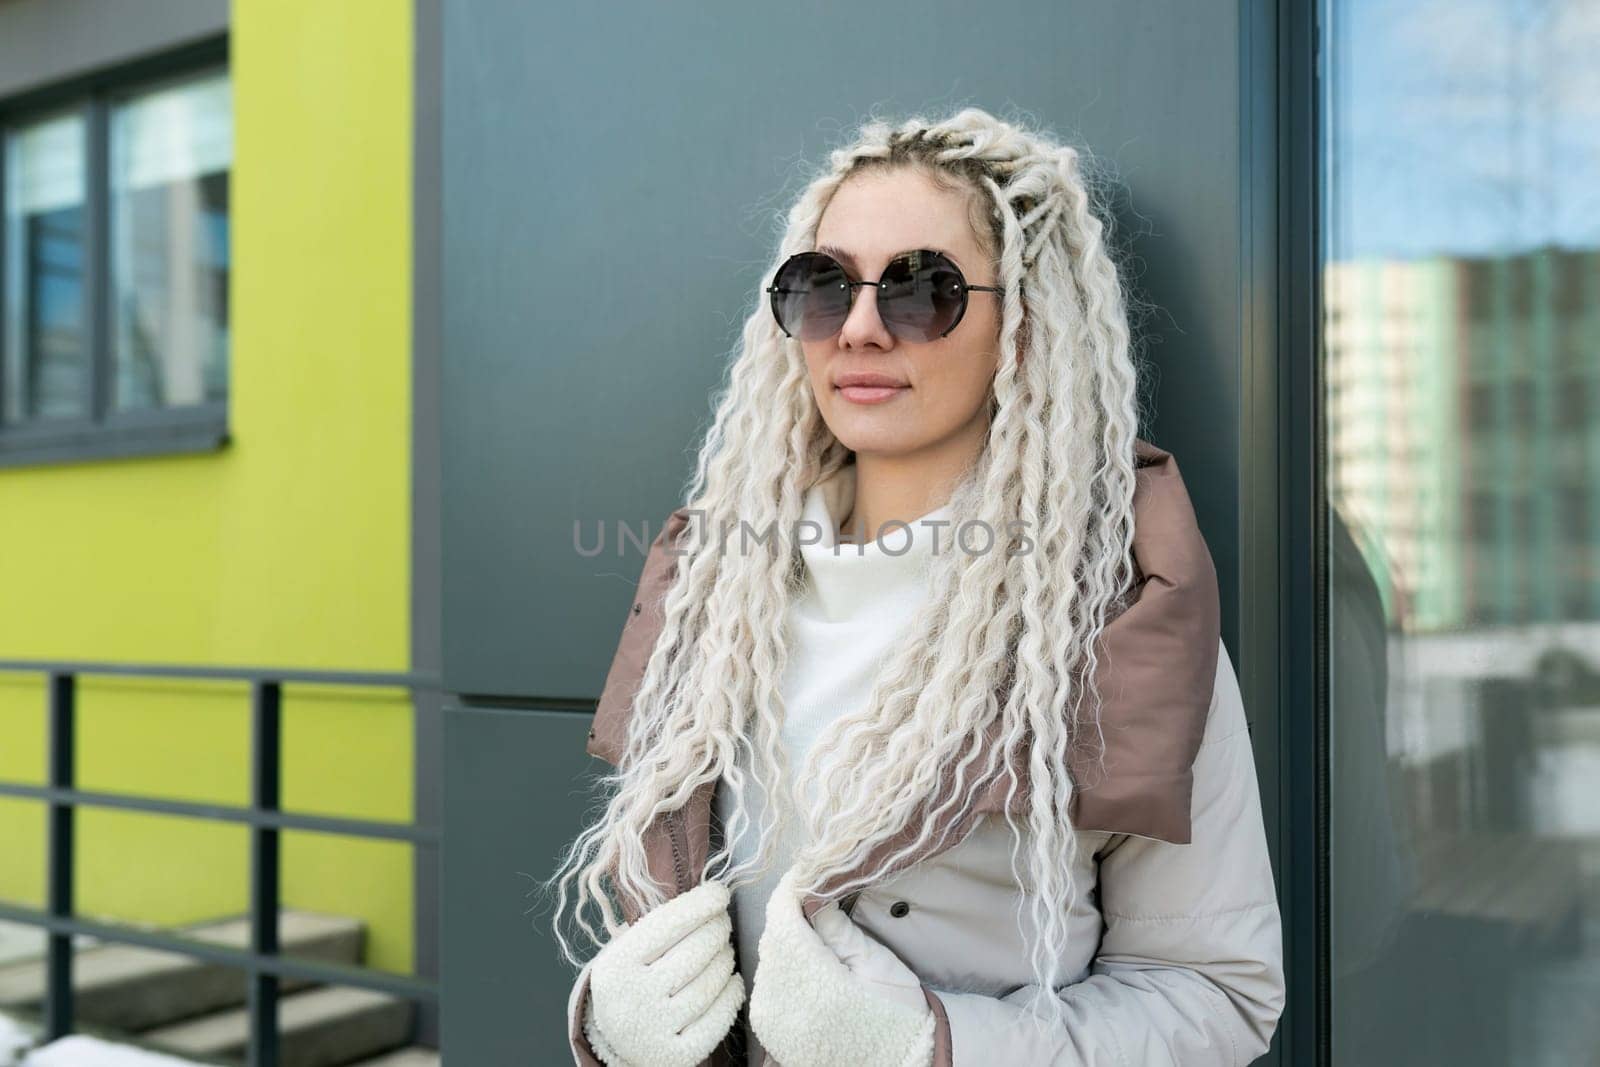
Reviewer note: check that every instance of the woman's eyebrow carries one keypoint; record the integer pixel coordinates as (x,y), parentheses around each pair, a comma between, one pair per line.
(838,253)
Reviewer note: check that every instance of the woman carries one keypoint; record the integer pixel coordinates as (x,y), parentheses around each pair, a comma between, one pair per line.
(979,789)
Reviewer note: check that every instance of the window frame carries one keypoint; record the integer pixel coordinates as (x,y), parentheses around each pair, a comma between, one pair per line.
(103,433)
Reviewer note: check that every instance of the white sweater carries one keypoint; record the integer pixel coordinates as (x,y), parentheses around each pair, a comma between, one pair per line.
(856,601)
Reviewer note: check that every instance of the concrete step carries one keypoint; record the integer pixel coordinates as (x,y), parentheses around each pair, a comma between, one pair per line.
(23,941)
(131,988)
(329,1026)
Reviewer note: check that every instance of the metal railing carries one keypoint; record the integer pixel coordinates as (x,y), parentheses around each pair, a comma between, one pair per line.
(265,818)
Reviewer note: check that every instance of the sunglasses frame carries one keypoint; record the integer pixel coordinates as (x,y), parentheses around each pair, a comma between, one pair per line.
(880,284)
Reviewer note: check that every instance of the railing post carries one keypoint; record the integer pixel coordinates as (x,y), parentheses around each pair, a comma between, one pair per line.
(58,993)
(266,751)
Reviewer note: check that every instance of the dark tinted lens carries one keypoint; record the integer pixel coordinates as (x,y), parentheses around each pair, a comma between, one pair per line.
(922,296)
(812,296)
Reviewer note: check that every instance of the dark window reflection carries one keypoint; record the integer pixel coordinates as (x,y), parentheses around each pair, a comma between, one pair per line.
(1461,346)
(44,354)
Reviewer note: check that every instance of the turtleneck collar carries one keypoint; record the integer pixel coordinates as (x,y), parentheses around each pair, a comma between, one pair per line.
(845,578)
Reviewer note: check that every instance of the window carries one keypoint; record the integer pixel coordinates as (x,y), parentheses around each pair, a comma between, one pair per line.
(114,266)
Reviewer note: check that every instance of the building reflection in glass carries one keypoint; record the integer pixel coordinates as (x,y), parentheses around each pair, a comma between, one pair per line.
(1461,348)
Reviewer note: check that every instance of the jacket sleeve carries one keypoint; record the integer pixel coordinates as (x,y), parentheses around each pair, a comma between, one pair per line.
(1189,971)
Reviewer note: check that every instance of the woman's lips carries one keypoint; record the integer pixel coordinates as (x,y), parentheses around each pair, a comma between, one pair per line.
(870,394)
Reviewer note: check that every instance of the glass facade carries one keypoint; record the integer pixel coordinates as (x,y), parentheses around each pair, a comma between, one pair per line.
(1461,391)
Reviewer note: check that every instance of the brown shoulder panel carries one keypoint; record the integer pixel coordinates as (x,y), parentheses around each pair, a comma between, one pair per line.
(608,734)
(1157,668)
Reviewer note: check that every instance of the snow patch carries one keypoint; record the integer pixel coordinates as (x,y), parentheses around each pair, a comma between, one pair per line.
(76,1050)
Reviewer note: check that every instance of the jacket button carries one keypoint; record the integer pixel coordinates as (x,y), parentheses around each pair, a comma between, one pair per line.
(591,735)
(899,909)
(636,607)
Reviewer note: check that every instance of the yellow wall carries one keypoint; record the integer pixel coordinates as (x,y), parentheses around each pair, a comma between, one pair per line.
(289,547)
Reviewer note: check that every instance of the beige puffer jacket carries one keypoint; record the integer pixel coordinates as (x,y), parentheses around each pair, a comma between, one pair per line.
(1178,954)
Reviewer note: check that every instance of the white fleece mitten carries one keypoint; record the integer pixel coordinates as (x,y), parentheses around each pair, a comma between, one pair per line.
(809,1009)
(664,992)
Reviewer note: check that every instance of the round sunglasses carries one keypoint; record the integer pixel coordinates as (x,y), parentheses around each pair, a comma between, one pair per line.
(921,296)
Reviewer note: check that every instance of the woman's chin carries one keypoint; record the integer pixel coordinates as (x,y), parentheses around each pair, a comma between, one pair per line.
(878,444)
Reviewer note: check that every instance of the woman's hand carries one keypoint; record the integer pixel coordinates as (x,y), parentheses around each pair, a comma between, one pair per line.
(817,1005)
(664,992)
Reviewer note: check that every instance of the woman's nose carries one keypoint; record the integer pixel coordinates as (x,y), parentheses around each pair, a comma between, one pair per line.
(864,325)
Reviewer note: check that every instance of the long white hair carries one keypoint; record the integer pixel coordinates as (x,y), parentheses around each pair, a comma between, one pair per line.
(1006,638)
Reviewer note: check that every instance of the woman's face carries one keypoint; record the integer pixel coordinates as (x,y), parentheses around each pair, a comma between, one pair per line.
(939,389)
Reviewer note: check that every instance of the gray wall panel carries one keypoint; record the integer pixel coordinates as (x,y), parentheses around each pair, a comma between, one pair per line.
(516,785)
(586,147)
